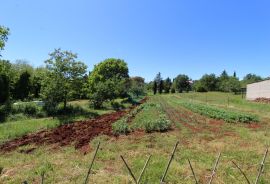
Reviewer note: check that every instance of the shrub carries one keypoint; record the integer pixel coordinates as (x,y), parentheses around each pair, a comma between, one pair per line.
(160,125)
(3,113)
(70,110)
(120,127)
(31,109)
(116,105)
(16,117)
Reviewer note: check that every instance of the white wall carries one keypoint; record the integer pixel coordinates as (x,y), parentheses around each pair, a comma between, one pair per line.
(258,90)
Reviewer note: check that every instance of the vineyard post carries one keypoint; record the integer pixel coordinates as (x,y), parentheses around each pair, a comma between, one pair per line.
(242,172)
(143,170)
(42,177)
(261,167)
(169,163)
(129,170)
(214,169)
(90,167)
(194,175)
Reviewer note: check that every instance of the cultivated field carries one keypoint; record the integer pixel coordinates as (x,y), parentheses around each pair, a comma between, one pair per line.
(66,160)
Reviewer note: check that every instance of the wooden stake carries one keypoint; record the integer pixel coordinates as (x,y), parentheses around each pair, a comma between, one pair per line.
(143,170)
(196,181)
(169,163)
(129,170)
(242,172)
(89,170)
(261,167)
(214,169)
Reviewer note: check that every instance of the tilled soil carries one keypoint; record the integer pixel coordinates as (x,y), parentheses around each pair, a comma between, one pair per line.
(262,100)
(79,133)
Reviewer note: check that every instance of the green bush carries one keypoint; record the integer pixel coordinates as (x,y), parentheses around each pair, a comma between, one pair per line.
(160,125)
(120,127)
(30,109)
(70,110)
(17,117)
(116,105)
(3,113)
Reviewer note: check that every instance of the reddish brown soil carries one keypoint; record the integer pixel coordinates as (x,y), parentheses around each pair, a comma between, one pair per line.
(80,133)
(254,125)
(262,100)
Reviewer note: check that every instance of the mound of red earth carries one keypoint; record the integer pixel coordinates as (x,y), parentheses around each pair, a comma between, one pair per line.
(262,100)
(79,133)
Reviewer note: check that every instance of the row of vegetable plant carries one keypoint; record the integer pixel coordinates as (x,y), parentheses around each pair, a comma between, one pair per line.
(159,124)
(220,113)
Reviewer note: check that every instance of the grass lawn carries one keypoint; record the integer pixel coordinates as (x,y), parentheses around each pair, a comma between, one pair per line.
(201,139)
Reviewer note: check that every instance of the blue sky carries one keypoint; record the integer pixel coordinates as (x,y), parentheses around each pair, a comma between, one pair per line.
(193,37)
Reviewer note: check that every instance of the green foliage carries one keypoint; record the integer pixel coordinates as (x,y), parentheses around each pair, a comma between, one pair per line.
(160,125)
(17,117)
(3,113)
(23,86)
(137,86)
(4,88)
(108,81)
(198,87)
(116,105)
(209,82)
(155,87)
(167,85)
(181,83)
(61,79)
(120,127)
(70,109)
(251,78)
(219,113)
(4,32)
(159,84)
(27,108)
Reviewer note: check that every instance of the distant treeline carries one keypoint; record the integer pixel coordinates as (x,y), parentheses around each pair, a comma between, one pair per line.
(208,82)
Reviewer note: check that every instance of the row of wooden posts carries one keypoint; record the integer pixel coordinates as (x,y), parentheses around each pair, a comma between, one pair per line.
(162,181)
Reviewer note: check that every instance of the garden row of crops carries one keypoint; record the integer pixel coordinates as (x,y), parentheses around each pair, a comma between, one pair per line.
(220,113)
(157,124)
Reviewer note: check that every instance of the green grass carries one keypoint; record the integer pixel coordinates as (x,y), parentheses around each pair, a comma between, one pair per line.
(236,142)
(228,100)
(15,129)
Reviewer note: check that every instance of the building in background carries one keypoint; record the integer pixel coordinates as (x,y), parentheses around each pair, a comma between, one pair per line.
(258,90)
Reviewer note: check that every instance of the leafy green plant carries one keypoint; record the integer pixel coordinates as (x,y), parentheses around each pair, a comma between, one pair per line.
(120,127)
(160,125)
(219,113)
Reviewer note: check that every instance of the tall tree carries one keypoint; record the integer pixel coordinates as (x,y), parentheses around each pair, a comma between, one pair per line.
(159,82)
(155,87)
(209,82)
(63,72)
(108,80)
(137,86)
(181,83)
(4,88)
(167,85)
(4,32)
(23,86)
(251,78)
